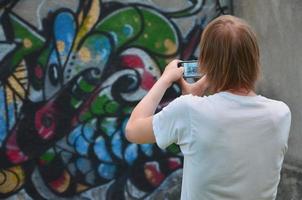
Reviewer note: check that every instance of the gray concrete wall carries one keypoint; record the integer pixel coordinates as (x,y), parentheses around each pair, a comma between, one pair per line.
(278,24)
(70,73)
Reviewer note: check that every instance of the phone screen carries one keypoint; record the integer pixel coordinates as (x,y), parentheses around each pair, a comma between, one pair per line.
(191,69)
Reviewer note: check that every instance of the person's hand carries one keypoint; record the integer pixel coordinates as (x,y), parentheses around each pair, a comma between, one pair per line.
(172,72)
(198,88)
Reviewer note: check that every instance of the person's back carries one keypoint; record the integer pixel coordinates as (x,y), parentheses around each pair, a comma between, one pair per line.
(233,141)
(234,146)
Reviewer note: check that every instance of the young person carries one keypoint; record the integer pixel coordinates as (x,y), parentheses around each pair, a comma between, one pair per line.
(234,140)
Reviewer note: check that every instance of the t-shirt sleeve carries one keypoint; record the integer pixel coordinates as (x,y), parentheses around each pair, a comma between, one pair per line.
(171,124)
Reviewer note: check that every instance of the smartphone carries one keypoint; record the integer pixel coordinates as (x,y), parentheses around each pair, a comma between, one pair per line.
(191,69)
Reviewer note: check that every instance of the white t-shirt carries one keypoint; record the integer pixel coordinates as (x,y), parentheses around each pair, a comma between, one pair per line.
(233,145)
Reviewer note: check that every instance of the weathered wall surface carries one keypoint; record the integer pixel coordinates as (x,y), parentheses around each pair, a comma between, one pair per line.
(70,73)
(278,24)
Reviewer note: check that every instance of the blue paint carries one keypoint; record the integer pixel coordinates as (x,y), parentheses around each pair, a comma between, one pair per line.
(124,125)
(72,168)
(108,126)
(53,68)
(84,165)
(91,177)
(116,145)
(128,30)
(82,146)
(131,153)
(64,31)
(101,151)
(3,131)
(89,130)
(66,156)
(99,47)
(74,135)
(11,115)
(107,171)
(147,149)
(114,36)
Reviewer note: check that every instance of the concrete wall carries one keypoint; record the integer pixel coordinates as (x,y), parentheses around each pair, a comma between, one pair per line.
(71,71)
(278,24)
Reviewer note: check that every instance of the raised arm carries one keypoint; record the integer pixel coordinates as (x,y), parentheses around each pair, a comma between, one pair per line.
(139,127)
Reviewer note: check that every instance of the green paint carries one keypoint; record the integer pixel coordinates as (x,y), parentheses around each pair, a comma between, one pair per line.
(42,61)
(47,157)
(115,24)
(86,116)
(29,40)
(107,124)
(162,62)
(173,148)
(44,57)
(97,106)
(127,109)
(111,107)
(86,87)
(75,102)
(158,36)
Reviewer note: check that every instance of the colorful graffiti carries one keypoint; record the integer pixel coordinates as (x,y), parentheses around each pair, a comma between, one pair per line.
(71,71)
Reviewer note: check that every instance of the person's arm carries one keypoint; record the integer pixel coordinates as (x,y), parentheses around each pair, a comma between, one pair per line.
(139,127)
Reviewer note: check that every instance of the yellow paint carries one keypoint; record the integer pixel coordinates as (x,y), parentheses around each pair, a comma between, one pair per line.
(13,179)
(17,86)
(9,95)
(17,83)
(60,46)
(63,187)
(81,187)
(27,43)
(80,17)
(170,46)
(88,22)
(85,54)
(158,45)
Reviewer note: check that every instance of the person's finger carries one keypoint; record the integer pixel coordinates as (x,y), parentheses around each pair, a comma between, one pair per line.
(181,69)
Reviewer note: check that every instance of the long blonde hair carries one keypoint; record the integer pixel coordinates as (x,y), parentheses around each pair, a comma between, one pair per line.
(229,54)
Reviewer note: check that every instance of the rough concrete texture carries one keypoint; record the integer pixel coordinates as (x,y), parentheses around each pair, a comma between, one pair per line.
(278,25)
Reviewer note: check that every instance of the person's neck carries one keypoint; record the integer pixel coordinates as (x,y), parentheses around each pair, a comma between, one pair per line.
(242,92)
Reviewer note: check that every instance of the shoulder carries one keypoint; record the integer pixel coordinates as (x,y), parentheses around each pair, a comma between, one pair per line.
(278,105)
(279,108)
(189,100)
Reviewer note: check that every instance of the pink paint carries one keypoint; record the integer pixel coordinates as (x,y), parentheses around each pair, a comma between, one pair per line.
(38,72)
(43,116)
(147,81)
(56,184)
(132,61)
(153,173)
(13,152)
(174,163)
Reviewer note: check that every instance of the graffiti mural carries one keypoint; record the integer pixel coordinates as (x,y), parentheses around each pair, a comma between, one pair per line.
(71,72)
